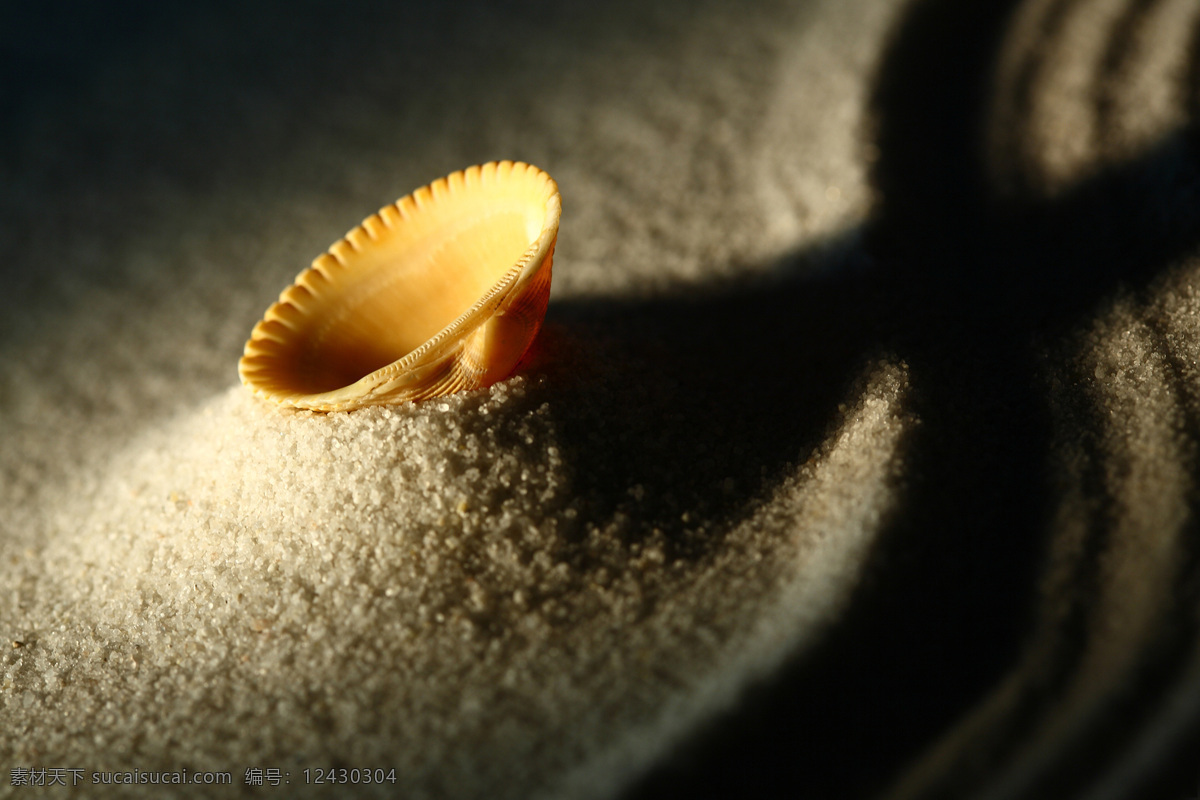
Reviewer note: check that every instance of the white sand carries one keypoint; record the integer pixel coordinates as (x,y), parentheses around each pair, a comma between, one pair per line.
(195,579)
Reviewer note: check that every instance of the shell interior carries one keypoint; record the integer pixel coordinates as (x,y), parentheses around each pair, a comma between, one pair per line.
(442,291)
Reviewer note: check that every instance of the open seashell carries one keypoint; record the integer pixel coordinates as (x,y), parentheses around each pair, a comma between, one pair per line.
(441,292)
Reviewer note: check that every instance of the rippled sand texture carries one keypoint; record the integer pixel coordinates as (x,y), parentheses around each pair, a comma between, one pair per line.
(856,457)
(1091,153)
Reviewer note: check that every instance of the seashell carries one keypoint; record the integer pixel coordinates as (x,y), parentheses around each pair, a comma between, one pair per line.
(441,292)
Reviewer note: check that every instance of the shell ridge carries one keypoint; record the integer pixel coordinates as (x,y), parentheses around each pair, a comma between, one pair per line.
(501,287)
(337,256)
(374,227)
(498,288)
(325,261)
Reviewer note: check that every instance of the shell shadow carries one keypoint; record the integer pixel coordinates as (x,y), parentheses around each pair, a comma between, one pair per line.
(684,410)
(970,289)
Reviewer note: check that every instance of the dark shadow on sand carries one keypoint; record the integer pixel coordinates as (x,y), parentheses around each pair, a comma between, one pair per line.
(968,289)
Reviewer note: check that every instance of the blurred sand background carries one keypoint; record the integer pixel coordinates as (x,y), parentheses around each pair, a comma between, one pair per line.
(857,457)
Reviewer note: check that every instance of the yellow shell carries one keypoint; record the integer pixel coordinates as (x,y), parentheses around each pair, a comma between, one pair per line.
(440,292)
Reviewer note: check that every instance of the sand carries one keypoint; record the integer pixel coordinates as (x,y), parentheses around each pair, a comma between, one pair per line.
(855,458)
